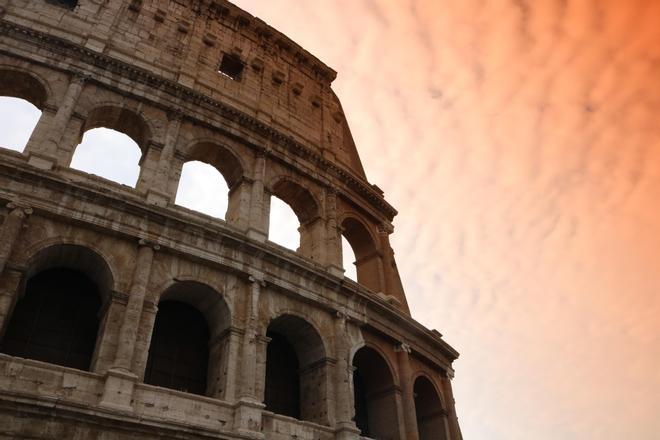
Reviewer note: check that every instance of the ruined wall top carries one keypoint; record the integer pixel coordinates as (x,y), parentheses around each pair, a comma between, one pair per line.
(217,50)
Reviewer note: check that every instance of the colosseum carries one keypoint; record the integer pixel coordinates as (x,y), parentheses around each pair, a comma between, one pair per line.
(126,316)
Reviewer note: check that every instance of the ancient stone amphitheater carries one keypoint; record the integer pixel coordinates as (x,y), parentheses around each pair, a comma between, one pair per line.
(125,316)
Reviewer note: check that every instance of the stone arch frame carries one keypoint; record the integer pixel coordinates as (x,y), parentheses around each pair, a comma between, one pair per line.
(39,96)
(219,153)
(390,410)
(315,370)
(441,425)
(365,245)
(93,263)
(113,114)
(26,84)
(219,319)
(308,209)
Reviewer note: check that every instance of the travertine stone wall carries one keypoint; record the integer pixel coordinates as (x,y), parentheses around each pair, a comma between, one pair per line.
(149,69)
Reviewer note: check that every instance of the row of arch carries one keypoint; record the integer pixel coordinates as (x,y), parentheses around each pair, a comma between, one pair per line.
(58,319)
(114,142)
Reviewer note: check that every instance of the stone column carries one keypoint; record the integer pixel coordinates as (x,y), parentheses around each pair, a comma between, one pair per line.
(129,326)
(392,286)
(238,209)
(405,376)
(10,282)
(452,419)
(10,231)
(259,203)
(157,189)
(344,399)
(333,235)
(43,147)
(120,379)
(247,414)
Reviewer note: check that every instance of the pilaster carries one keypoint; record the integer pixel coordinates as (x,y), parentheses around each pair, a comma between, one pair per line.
(408,398)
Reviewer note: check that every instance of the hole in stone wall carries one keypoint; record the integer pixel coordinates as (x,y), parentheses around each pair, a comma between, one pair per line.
(284,225)
(18,118)
(203,188)
(348,259)
(69,4)
(109,154)
(231,66)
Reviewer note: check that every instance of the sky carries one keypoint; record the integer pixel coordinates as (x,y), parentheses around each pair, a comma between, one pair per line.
(520,142)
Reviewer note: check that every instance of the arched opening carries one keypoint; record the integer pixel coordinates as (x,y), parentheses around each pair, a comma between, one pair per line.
(284,225)
(18,118)
(210,182)
(296,370)
(179,354)
(188,343)
(374,393)
(112,144)
(57,317)
(202,188)
(430,415)
(367,257)
(305,208)
(22,99)
(348,259)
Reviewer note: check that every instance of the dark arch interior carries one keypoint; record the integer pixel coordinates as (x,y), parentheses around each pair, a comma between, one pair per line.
(295,370)
(179,353)
(430,415)
(374,394)
(56,320)
(282,393)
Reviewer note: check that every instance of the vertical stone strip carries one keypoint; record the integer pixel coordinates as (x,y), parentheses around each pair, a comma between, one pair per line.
(258,221)
(333,240)
(345,426)
(405,377)
(391,278)
(132,316)
(452,419)
(247,416)
(10,231)
(43,152)
(158,190)
(249,355)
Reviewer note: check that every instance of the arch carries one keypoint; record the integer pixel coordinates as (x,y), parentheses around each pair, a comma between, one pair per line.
(296,370)
(367,255)
(188,345)
(222,158)
(299,198)
(56,319)
(113,143)
(121,119)
(80,257)
(22,100)
(374,393)
(204,298)
(23,85)
(430,413)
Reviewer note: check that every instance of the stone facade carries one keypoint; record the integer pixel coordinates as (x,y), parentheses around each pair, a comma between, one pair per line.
(272,126)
